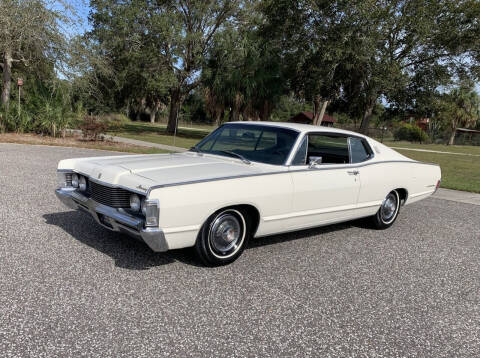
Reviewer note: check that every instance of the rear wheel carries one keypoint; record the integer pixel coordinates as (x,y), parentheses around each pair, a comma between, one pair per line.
(388,212)
(223,237)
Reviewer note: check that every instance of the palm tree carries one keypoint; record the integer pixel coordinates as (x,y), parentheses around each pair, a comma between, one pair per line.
(461,108)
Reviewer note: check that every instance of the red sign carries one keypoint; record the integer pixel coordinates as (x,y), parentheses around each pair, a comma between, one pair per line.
(20,82)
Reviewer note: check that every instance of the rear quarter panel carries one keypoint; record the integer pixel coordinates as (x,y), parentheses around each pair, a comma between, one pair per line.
(378,179)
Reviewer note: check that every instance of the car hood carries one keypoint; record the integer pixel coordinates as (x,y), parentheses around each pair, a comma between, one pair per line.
(140,172)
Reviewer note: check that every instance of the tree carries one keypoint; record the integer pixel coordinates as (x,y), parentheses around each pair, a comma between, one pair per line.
(190,27)
(310,37)
(242,73)
(164,42)
(122,57)
(395,41)
(460,108)
(29,40)
(363,50)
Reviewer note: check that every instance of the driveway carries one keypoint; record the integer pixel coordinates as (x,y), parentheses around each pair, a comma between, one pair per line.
(71,288)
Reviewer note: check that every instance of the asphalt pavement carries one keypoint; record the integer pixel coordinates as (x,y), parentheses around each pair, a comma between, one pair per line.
(71,288)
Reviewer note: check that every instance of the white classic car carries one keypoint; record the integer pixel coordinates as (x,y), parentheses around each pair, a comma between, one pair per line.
(246,179)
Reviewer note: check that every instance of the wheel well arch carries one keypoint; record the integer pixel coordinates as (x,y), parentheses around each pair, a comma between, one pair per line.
(252,213)
(403,194)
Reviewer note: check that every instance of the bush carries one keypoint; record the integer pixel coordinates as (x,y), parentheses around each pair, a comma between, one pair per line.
(92,127)
(411,133)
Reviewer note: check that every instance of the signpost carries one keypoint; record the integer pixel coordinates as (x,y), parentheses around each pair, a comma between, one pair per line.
(19,84)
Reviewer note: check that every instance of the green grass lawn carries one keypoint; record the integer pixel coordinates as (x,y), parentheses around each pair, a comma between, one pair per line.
(180,141)
(159,128)
(156,133)
(465,149)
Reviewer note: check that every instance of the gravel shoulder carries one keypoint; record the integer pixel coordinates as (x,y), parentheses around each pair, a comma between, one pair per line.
(71,288)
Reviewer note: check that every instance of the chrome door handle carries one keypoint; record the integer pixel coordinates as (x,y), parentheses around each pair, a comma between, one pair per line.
(353,172)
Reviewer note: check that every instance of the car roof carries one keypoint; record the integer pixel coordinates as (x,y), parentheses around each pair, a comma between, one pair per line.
(299,127)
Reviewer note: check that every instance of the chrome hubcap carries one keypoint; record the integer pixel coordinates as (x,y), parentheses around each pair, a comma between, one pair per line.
(389,207)
(225,234)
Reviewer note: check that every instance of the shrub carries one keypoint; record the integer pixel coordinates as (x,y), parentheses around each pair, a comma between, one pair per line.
(92,127)
(411,133)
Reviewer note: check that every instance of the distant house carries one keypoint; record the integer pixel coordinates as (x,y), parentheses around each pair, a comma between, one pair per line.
(420,122)
(307,118)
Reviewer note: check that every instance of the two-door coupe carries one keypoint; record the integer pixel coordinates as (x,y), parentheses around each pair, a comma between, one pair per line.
(246,179)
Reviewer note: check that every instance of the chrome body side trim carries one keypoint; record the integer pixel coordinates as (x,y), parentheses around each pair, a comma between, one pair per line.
(318,167)
(114,220)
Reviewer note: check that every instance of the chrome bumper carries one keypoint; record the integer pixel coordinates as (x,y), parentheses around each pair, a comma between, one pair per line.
(114,220)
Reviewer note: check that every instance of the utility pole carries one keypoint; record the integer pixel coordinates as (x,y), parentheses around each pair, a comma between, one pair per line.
(19,84)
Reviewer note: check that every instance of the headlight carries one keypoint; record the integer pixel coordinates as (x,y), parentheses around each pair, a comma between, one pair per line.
(75,180)
(82,183)
(135,202)
(144,208)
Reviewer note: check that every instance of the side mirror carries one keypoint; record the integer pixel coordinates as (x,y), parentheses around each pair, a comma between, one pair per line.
(314,161)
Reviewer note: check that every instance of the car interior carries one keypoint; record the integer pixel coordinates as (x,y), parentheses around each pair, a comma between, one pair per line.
(325,149)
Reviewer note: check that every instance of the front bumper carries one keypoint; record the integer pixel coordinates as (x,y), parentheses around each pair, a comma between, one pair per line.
(114,219)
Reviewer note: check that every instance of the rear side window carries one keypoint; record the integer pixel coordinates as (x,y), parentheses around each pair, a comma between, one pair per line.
(359,150)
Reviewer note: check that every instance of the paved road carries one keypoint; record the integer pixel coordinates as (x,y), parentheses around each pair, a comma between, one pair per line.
(71,288)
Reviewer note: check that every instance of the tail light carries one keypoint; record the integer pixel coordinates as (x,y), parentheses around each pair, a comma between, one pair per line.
(437,186)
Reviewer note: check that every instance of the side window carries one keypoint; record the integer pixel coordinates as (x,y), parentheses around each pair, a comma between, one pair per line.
(301,156)
(358,150)
(328,149)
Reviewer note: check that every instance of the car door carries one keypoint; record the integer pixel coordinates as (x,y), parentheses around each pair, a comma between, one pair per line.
(376,180)
(325,192)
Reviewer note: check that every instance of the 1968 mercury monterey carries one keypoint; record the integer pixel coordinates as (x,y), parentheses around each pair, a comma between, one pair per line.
(246,179)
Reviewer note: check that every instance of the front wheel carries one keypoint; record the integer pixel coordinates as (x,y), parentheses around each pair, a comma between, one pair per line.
(223,237)
(388,212)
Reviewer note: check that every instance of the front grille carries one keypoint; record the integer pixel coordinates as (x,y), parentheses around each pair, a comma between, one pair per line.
(113,197)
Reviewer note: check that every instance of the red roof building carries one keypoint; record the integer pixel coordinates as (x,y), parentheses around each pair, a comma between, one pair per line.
(307,118)
(420,122)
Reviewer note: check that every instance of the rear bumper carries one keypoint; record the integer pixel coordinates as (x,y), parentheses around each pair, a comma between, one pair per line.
(114,220)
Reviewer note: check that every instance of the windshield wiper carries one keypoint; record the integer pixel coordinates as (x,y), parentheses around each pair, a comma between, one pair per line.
(195,149)
(245,160)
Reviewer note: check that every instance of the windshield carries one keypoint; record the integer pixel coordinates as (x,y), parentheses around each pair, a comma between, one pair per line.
(258,143)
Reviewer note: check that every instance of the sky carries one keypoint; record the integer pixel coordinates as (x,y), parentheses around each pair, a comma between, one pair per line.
(81,9)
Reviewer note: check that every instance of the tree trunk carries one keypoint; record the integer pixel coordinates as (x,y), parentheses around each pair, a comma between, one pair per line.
(235,114)
(218,118)
(264,114)
(451,141)
(316,109)
(367,115)
(322,112)
(7,77)
(175,103)
(153,113)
